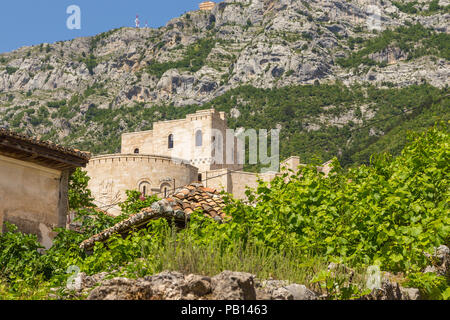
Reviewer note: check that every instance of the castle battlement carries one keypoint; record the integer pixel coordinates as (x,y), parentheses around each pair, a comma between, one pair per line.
(110,158)
(207,5)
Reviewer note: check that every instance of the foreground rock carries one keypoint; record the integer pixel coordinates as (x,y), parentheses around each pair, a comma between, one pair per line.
(228,285)
(166,285)
(391,290)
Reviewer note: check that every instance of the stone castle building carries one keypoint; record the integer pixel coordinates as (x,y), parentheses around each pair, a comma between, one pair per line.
(172,155)
(207,5)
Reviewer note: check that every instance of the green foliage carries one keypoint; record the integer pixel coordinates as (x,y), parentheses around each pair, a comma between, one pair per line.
(411,7)
(19,256)
(136,201)
(408,7)
(56,104)
(415,40)
(194,59)
(387,213)
(296,109)
(91,62)
(79,194)
(431,286)
(339,286)
(11,70)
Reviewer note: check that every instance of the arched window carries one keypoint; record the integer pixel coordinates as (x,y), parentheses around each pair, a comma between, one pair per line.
(144,188)
(165,190)
(170,141)
(198,138)
(136,150)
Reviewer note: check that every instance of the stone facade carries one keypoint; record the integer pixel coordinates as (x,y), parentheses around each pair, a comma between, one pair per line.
(207,6)
(200,139)
(112,175)
(1,220)
(172,155)
(236,182)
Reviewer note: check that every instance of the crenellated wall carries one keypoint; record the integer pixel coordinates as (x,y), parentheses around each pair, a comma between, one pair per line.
(112,175)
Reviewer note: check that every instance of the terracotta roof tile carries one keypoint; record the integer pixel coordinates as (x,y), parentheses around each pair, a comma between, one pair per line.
(169,208)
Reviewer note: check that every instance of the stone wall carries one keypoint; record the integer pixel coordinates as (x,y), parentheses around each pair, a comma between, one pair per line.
(30,197)
(1,218)
(137,140)
(112,175)
(218,179)
(206,6)
(241,180)
(234,182)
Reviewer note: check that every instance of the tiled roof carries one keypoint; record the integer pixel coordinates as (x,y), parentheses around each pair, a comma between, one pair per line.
(5,133)
(178,207)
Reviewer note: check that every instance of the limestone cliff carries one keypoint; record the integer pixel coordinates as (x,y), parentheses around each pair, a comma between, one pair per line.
(203,54)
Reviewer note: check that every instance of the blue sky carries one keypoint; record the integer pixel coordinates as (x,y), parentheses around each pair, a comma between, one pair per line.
(30,22)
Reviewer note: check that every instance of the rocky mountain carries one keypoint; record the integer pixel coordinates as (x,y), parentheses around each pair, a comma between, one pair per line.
(59,90)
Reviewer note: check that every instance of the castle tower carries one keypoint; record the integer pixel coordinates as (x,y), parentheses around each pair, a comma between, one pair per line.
(207,6)
(199,140)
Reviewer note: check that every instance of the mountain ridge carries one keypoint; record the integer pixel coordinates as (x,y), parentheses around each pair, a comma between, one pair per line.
(57,90)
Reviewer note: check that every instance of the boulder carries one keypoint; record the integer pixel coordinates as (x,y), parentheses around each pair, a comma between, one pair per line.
(300,292)
(122,289)
(230,285)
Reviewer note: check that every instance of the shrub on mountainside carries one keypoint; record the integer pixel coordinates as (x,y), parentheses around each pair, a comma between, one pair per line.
(415,40)
(194,59)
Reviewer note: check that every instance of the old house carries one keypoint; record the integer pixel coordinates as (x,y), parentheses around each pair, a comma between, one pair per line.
(34,178)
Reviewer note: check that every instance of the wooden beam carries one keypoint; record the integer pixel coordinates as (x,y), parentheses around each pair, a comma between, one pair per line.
(33,151)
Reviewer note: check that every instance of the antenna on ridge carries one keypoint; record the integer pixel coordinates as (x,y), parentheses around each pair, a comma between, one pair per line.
(137,21)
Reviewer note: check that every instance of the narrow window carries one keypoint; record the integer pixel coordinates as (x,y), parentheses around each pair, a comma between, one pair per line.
(170,142)
(199,177)
(144,188)
(165,189)
(136,150)
(198,138)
